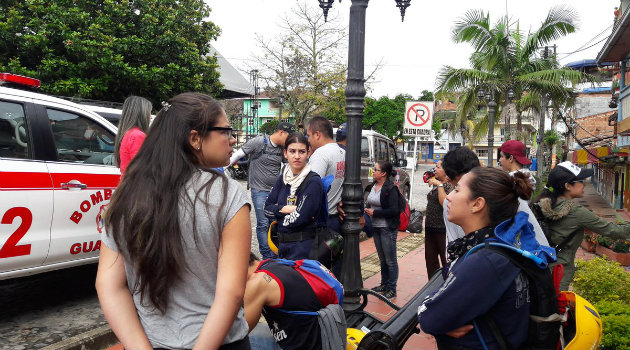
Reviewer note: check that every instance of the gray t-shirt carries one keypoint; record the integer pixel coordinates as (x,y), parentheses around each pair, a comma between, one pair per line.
(192,297)
(374,202)
(265,162)
(330,159)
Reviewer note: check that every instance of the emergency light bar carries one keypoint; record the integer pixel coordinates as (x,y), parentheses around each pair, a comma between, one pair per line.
(19,79)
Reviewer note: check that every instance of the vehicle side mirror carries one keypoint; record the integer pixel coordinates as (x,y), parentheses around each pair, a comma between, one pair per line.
(402,163)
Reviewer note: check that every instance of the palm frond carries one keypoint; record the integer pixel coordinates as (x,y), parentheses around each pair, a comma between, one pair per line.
(473,28)
(560,21)
(452,79)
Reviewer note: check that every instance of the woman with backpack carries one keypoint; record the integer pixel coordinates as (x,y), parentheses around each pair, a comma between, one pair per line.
(173,264)
(485,292)
(382,206)
(295,201)
(567,220)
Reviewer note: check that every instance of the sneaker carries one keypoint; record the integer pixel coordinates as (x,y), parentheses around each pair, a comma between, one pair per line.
(379,289)
(389,294)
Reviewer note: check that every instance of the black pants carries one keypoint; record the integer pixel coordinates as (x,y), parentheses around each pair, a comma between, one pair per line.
(434,249)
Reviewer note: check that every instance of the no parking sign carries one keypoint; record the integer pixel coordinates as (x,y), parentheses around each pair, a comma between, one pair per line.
(418,118)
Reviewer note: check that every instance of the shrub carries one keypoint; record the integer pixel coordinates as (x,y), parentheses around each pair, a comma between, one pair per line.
(621,246)
(616,325)
(599,279)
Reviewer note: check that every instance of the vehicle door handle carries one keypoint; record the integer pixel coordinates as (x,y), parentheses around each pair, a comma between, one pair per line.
(73,184)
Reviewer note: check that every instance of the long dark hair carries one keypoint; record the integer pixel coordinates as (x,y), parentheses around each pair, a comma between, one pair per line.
(500,190)
(136,112)
(143,214)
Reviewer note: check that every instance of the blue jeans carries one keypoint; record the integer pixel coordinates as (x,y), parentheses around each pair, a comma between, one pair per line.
(262,223)
(261,338)
(385,242)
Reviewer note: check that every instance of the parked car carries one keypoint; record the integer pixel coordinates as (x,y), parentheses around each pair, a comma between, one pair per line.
(375,147)
(56,179)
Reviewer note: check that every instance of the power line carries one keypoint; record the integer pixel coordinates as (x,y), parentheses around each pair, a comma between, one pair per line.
(581,48)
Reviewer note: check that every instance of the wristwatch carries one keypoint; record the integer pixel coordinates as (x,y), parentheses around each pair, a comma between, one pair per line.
(440,185)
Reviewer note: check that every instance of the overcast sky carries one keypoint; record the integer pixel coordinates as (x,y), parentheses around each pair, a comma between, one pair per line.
(414,50)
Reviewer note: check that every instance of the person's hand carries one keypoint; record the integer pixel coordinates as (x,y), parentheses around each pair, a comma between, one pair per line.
(342,214)
(369,211)
(434,182)
(461,331)
(288,209)
(362,221)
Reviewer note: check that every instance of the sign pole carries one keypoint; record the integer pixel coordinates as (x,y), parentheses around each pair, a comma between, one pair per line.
(413,170)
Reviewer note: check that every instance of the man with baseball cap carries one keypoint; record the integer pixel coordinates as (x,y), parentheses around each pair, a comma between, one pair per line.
(341,135)
(512,158)
(265,161)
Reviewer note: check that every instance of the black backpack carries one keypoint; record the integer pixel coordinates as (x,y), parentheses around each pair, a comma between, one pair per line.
(542,334)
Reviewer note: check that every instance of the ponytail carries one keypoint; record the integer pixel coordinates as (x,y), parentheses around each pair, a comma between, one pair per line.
(500,190)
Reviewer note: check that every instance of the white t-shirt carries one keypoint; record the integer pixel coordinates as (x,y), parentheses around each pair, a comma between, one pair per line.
(330,159)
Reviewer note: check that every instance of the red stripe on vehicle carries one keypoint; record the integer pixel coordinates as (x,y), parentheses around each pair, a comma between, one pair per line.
(22,180)
(91,180)
(40,181)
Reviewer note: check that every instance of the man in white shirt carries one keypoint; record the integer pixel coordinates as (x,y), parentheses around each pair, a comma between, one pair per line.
(328,159)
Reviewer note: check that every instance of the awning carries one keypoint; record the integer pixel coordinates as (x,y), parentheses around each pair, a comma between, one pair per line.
(587,63)
(235,85)
(617,46)
(591,155)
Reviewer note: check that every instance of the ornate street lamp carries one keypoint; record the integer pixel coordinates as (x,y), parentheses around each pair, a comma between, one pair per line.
(352,189)
(488,96)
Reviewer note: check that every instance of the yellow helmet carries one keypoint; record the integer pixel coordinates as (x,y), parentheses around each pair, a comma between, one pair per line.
(354,338)
(272,237)
(588,324)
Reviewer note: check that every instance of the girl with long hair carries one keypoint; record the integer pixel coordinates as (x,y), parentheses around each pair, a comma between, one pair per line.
(296,200)
(485,285)
(132,129)
(174,258)
(567,220)
(382,207)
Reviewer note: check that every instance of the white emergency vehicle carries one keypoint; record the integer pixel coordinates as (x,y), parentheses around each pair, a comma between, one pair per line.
(56,178)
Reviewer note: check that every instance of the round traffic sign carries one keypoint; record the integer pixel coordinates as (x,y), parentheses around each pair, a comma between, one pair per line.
(418,114)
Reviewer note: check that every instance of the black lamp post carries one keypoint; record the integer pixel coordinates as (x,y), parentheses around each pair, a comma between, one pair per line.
(352,189)
(488,96)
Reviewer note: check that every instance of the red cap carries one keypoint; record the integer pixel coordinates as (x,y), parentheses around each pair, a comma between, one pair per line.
(517,149)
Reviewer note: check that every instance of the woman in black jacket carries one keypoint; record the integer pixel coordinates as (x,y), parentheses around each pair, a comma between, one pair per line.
(382,206)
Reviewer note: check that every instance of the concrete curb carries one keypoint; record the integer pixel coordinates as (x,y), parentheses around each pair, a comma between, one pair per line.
(99,338)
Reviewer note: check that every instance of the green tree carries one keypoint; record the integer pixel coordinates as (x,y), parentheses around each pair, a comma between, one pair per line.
(109,49)
(506,59)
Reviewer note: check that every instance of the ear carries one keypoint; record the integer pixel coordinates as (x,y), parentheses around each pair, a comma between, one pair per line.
(478,205)
(285,153)
(194,139)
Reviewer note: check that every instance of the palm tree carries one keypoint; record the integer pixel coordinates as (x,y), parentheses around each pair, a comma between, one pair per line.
(505,59)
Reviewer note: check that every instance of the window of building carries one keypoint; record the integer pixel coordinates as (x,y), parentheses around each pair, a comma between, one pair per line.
(481,152)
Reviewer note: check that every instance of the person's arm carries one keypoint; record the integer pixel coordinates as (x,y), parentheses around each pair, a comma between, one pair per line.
(272,208)
(441,191)
(116,301)
(234,248)
(589,220)
(254,300)
(236,156)
(307,206)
